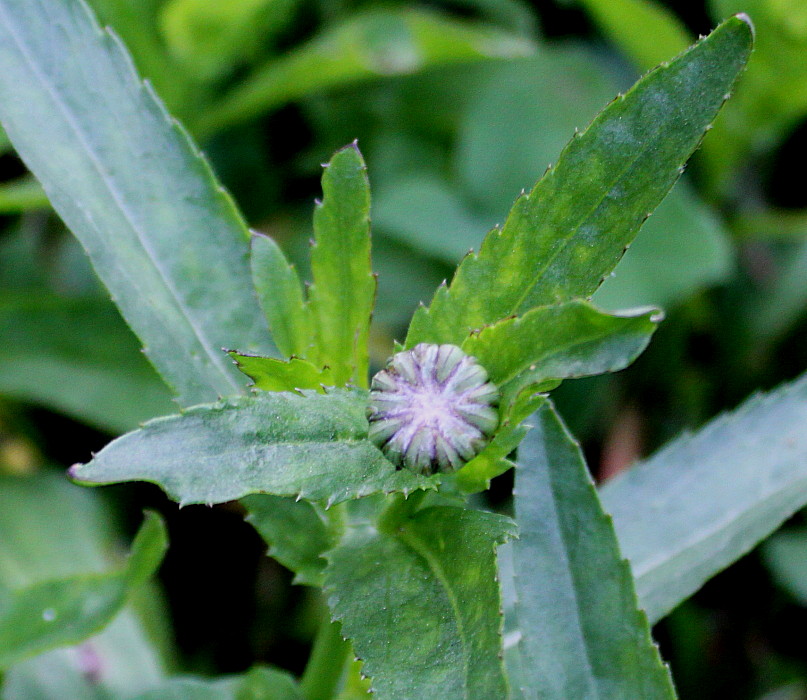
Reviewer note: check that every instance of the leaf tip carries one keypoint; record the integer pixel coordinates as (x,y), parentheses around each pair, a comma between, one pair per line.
(743,17)
(72,472)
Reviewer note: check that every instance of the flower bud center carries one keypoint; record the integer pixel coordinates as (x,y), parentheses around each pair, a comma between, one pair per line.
(432,408)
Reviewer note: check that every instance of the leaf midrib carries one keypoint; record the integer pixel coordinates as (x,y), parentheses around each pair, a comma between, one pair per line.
(422,550)
(573,232)
(586,660)
(551,352)
(66,113)
(711,531)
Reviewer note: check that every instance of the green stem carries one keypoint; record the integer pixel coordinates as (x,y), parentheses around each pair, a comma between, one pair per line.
(326,664)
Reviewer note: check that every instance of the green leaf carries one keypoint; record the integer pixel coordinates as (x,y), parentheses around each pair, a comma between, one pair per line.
(125,660)
(785,555)
(582,634)
(560,240)
(772,98)
(493,460)
(704,500)
(136,24)
(425,212)
(211,38)
(264,683)
(162,234)
(51,529)
(295,531)
(373,44)
(66,611)
(508,137)
(281,296)
(421,604)
(770,314)
(76,355)
(646,31)
(259,683)
(271,374)
(548,343)
(312,446)
(21,195)
(682,249)
(341,298)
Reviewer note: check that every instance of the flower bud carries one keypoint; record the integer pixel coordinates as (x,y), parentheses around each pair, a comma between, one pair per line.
(432,409)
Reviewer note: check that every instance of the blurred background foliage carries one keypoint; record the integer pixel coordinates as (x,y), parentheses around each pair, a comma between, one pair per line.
(457,106)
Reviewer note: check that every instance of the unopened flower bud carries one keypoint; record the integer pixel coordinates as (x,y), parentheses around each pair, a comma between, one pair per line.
(432,409)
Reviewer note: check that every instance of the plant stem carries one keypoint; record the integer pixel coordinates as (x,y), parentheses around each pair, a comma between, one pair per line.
(327,662)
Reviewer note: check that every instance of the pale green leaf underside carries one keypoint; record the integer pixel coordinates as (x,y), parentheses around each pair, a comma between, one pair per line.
(582,634)
(136,23)
(342,295)
(54,613)
(163,236)
(422,604)
(310,446)
(563,238)
(271,374)
(704,500)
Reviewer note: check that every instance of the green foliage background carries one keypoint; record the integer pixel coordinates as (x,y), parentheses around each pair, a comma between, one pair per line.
(457,105)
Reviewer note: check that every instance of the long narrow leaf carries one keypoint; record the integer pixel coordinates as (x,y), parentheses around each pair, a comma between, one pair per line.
(281,296)
(582,634)
(706,499)
(341,298)
(560,240)
(51,529)
(66,611)
(371,44)
(162,234)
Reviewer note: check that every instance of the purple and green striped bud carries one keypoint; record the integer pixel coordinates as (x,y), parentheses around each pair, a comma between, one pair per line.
(432,409)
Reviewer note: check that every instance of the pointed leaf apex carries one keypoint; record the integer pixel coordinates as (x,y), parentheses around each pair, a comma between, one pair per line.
(743,17)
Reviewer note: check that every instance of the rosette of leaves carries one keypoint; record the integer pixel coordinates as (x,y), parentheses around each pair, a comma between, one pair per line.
(408,565)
